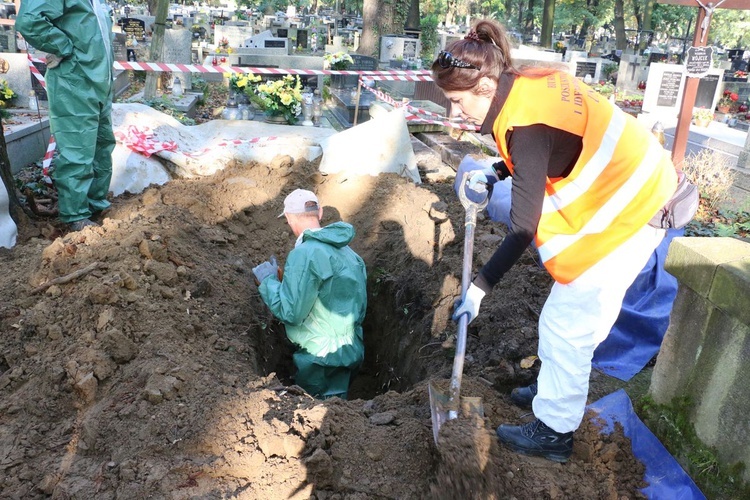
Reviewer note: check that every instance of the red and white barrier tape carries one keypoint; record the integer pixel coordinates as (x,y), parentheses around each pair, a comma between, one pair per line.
(408,75)
(140,140)
(47,161)
(260,141)
(413,118)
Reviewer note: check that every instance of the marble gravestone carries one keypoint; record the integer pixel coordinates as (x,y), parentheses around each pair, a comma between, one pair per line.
(177,49)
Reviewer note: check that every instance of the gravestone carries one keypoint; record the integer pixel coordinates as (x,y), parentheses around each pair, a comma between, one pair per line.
(664,88)
(133,27)
(7,39)
(584,68)
(236,35)
(177,49)
(360,63)
(707,90)
(122,81)
(19,78)
(669,88)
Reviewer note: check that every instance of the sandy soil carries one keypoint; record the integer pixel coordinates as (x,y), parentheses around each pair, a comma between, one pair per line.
(157,372)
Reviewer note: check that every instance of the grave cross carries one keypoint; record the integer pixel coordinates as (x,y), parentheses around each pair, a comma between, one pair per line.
(691,84)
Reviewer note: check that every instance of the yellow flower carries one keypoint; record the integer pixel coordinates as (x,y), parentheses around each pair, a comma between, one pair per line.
(286,99)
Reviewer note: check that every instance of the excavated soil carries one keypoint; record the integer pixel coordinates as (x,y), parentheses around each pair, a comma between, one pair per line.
(157,372)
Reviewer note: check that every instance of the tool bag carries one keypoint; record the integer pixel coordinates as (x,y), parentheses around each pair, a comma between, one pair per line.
(681,208)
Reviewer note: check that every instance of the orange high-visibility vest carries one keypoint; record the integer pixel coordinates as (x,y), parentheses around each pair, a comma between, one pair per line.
(621,179)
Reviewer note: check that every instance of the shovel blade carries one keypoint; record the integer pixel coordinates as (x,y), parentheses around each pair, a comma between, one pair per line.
(439,409)
(442,409)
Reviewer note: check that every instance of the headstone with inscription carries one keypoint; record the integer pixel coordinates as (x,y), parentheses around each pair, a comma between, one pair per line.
(664,87)
(135,28)
(705,96)
(177,49)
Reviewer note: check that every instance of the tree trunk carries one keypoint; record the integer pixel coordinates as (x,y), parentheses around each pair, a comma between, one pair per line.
(648,9)
(157,42)
(451,11)
(548,22)
(528,26)
(412,19)
(16,209)
(368,43)
(621,39)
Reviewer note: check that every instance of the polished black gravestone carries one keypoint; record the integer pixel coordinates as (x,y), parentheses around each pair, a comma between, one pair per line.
(346,104)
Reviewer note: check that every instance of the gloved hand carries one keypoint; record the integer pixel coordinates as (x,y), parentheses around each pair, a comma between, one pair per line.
(478,181)
(469,304)
(265,269)
(470,164)
(53,61)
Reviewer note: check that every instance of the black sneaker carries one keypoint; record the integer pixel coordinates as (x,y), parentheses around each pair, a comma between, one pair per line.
(538,440)
(81,224)
(523,396)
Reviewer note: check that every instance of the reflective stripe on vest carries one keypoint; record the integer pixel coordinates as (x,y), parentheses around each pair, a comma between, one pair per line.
(621,179)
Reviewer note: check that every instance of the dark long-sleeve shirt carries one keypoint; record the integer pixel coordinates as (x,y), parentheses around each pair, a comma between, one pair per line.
(538,152)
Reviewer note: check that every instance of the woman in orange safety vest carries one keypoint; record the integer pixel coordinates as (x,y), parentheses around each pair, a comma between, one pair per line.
(587,179)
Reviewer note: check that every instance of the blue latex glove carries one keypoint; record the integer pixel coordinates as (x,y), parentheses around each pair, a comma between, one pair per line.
(266,269)
(469,304)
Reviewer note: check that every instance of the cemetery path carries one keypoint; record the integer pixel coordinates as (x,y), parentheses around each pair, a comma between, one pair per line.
(158,373)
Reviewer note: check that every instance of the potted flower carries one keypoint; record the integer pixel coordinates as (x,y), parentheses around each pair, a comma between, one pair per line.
(242,85)
(281,99)
(6,95)
(338,61)
(702,117)
(726,101)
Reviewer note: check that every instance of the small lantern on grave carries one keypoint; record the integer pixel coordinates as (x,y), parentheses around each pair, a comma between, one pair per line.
(307,109)
(177,87)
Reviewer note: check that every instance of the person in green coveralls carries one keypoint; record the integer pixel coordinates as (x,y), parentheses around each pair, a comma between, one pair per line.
(321,299)
(77,37)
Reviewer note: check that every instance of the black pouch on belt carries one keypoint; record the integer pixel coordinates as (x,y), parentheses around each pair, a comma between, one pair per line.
(681,208)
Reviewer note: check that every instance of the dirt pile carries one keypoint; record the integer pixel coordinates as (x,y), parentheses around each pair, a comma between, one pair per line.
(158,372)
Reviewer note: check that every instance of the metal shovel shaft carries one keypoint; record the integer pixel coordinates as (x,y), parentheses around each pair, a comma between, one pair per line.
(444,407)
(454,390)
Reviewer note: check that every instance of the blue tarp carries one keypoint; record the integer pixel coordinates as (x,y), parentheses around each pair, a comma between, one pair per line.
(665,476)
(637,334)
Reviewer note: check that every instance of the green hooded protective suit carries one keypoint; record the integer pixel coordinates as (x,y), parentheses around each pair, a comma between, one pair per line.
(80,91)
(322,301)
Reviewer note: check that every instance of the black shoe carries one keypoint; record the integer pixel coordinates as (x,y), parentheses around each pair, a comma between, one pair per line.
(523,396)
(538,440)
(81,224)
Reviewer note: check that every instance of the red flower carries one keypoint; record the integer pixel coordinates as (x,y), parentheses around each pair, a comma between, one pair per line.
(734,96)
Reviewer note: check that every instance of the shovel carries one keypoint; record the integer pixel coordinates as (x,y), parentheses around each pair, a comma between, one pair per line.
(446,406)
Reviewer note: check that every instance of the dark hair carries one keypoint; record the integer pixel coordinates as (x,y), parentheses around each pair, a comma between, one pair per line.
(488,47)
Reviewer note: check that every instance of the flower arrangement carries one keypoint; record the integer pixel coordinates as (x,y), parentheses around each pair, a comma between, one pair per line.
(559,46)
(6,93)
(740,74)
(242,83)
(223,46)
(702,115)
(338,61)
(281,97)
(728,98)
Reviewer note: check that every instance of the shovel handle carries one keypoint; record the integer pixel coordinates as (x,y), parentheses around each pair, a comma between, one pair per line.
(470,222)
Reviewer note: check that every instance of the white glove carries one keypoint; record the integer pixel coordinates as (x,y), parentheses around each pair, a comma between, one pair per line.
(478,181)
(52,61)
(469,304)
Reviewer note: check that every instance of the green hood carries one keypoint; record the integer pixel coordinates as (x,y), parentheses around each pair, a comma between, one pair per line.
(338,234)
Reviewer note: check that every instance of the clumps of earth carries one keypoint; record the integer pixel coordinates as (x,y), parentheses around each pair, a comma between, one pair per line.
(138,361)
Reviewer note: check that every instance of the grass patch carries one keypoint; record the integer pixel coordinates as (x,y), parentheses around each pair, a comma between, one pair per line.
(671,424)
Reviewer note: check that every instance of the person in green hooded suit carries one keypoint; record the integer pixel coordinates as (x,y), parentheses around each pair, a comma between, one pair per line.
(321,299)
(77,37)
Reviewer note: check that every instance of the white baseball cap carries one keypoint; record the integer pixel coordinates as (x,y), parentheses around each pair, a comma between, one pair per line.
(300,201)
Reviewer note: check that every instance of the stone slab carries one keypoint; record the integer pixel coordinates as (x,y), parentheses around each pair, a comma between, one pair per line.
(694,260)
(730,290)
